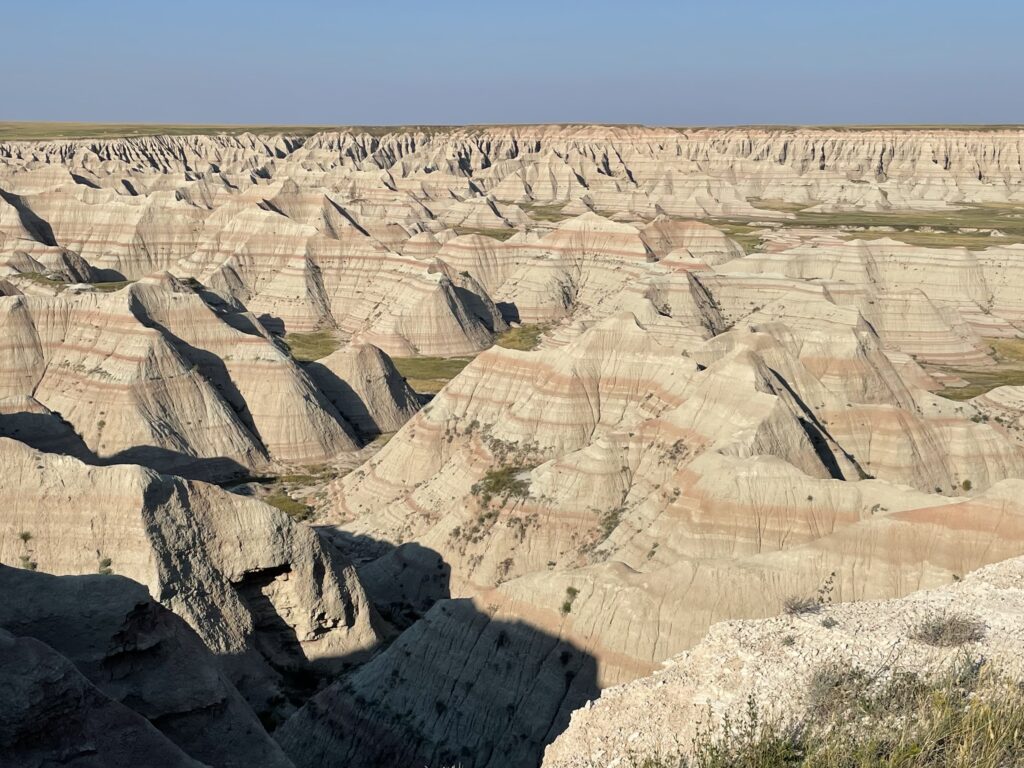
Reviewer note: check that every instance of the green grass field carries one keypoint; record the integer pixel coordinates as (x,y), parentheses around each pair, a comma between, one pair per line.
(306,347)
(496,233)
(524,338)
(541,212)
(1008,371)
(427,375)
(930,229)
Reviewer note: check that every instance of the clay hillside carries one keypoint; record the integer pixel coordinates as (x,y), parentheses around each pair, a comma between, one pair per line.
(497,446)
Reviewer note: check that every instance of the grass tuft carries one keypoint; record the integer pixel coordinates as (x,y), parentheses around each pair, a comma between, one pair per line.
(949,631)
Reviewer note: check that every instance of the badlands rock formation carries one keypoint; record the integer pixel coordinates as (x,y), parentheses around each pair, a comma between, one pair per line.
(739,659)
(45,696)
(363,384)
(460,687)
(137,654)
(645,479)
(262,592)
(726,385)
(153,374)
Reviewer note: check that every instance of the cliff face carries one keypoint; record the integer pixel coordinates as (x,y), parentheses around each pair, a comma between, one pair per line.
(260,590)
(138,655)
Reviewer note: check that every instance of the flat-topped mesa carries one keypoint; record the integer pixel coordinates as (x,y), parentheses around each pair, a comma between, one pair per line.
(262,591)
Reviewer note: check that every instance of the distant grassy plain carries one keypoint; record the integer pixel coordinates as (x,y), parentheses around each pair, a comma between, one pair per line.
(930,229)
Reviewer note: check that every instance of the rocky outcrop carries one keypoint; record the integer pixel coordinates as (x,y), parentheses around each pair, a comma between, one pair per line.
(774,660)
(141,656)
(262,592)
(51,714)
(640,478)
(195,395)
(366,388)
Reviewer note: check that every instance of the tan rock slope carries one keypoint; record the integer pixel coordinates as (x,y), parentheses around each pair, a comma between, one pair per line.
(152,374)
(773,660)
(639,477)
(460,687)
(364,385)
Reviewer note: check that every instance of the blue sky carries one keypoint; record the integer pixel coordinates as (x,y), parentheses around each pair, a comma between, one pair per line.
(641,61)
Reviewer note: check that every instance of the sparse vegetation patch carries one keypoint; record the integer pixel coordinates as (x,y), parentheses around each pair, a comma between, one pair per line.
(967,717)
(306,347)
(503,483)
(428,374)
(524,338)
(296,510)
(949,631)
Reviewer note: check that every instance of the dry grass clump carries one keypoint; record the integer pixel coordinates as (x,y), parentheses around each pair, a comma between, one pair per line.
(949,631)
(795,605)
(968,717)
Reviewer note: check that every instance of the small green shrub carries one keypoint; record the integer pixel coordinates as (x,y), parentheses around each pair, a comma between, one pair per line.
(104,566)
(502,483)
(570,597)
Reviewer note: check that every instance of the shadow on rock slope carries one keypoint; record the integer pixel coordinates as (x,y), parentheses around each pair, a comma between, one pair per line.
(459,686)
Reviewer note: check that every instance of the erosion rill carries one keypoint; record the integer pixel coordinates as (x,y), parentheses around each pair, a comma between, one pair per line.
(503,446)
